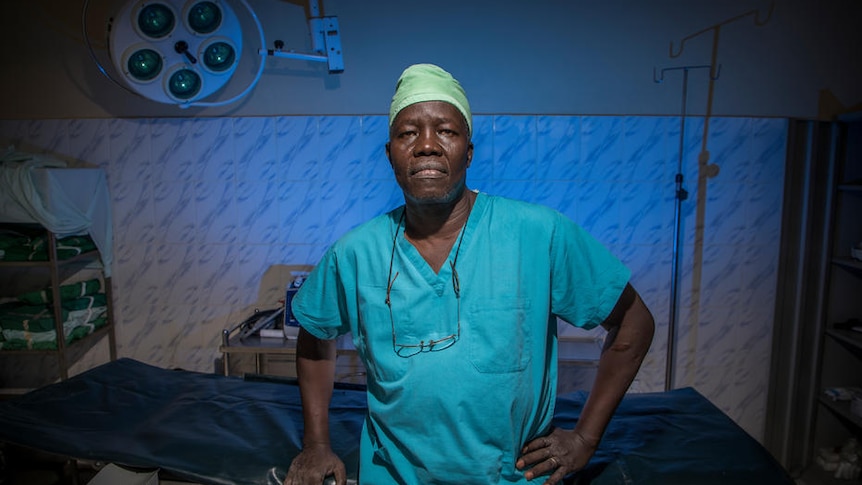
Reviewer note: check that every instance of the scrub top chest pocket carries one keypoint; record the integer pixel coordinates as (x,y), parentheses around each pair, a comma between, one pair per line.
(499,337)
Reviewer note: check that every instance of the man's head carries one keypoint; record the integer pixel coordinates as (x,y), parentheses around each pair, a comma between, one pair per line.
(427,82)
(429,135)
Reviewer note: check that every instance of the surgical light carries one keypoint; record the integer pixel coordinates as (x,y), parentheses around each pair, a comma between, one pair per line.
(182,52)
(158,47)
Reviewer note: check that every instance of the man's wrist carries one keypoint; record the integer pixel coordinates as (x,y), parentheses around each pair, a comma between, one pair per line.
(315,444)
(590,441)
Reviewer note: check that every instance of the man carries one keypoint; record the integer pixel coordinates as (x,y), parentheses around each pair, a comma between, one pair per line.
(452,302)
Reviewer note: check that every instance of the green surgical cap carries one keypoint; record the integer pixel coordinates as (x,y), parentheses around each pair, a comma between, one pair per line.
(427,82)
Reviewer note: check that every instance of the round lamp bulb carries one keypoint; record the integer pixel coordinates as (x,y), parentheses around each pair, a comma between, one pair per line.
(219,56)
(144,65)
(156,20)
(184,84)
(204,17)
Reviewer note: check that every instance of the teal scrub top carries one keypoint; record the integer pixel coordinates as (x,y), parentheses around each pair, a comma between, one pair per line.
(460,411)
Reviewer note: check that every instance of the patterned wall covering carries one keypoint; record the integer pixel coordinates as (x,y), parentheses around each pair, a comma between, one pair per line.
(210,213)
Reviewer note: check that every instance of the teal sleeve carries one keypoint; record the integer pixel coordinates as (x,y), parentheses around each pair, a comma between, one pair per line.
(319,305)
(587,279)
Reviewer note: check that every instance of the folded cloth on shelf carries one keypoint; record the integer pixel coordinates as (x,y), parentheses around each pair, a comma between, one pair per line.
(67,292)
(27,326)
(22,248)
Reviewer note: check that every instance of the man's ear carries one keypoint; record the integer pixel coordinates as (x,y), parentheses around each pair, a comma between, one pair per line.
(388,155)
(469,154)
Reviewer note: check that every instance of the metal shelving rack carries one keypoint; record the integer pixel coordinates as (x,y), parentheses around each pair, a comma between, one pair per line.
(58,270)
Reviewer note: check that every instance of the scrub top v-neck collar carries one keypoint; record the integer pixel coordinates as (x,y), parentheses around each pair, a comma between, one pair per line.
(441,280)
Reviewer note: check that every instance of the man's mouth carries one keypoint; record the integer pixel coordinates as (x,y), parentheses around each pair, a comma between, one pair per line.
(429,172)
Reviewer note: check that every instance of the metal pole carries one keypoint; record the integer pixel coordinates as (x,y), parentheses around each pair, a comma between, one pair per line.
(680,195)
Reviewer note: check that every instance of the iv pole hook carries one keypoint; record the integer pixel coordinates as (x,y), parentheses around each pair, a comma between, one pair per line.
(757,21)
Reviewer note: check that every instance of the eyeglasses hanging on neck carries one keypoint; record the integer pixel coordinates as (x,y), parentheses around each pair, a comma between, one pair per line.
(430,345)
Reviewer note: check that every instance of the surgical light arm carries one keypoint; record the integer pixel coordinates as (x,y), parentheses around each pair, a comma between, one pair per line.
(325,41)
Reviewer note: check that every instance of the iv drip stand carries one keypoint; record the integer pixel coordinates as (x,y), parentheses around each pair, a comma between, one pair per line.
(680,195)
(705,171)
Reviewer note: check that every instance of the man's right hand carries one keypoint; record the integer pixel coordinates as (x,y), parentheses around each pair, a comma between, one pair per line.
(314,464)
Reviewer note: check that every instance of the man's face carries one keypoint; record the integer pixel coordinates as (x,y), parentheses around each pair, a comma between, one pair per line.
(429,149)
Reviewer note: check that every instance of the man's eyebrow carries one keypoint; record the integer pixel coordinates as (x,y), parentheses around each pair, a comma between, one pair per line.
(445,119)
(415,120)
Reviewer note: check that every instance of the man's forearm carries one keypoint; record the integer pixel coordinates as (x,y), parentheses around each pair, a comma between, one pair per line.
(315,370)
(625,348)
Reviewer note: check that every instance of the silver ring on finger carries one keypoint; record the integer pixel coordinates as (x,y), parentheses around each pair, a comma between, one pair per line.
(553,459)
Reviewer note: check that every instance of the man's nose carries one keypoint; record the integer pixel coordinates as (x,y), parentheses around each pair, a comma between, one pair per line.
(427,143)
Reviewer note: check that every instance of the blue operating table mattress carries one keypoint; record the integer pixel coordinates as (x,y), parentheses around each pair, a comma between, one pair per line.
(213,429)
